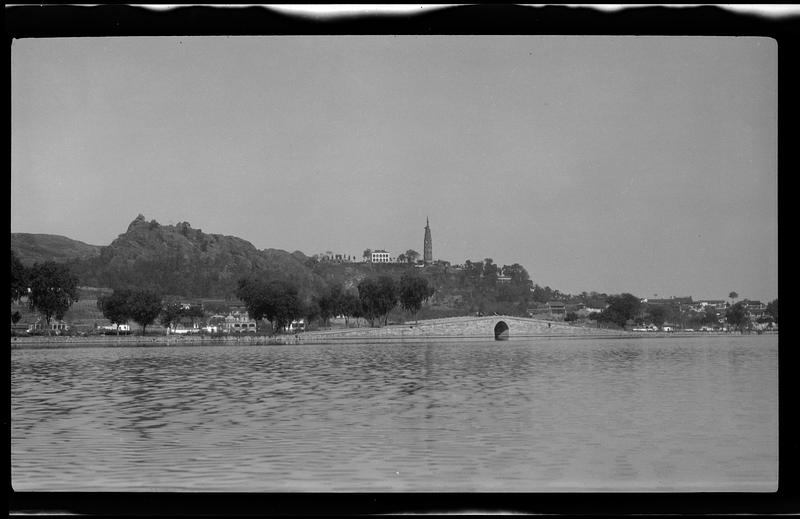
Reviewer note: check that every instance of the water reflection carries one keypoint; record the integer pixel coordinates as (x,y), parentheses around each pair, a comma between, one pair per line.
(523,416)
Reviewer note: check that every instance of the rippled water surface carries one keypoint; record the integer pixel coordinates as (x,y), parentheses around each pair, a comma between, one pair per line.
(650,414)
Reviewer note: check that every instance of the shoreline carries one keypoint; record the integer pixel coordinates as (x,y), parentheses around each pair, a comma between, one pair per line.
(446,329)
(321,338)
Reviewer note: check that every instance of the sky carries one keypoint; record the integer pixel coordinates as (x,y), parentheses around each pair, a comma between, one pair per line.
(635,164)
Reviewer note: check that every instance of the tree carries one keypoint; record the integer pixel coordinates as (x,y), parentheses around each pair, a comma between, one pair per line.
(253,292)
(367,254)
(378,297)
(734,296)
(329,303)
(286,306)
(350,306)
(193,312)
(276,300)
(53,289)
(736,316)
(401,258)
(413,291)
(311,311)
(412,256)
(144,306)
(116,307)
(170,314)
(709,317)
(620,308)
(473,270)
(368,297)
(19,278)
(388,296)
(658,314)
(772,309)
(516,272)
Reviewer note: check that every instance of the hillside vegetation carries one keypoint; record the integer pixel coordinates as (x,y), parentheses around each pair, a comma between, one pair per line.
(38,248)
(183,261)
(179,260)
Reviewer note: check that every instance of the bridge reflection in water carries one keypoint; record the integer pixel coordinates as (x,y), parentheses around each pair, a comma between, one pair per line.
(501,331)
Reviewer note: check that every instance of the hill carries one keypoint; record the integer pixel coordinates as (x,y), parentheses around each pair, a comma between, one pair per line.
(182,261)
(176,260)
(38,248)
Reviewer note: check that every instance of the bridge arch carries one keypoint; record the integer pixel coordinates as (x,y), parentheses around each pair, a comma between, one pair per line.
(501,331)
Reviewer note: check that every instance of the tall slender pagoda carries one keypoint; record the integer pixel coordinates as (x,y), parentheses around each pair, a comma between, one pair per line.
(427,250)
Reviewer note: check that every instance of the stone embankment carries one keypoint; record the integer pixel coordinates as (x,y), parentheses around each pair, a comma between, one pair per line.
(149,340)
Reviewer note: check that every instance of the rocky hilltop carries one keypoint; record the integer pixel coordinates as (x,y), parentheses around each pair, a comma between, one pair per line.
(175,259)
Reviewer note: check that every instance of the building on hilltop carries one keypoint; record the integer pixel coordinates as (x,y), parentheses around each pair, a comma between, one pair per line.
(379,256)
(427,248)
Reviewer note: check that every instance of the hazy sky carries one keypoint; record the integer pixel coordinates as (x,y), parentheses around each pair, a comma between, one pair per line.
(616,164)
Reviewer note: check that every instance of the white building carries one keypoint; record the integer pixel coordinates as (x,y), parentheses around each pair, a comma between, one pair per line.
(380,256)
(238,323)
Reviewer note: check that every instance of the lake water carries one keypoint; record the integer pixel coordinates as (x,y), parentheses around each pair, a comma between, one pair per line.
(654,414)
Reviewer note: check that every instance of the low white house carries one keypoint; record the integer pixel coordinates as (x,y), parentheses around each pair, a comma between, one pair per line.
(121,328)
(183,330)
(297,326)
(55,326)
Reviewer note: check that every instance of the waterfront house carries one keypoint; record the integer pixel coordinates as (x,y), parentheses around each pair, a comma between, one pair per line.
(56,325)
(755,309)
(122,329)
(238,323)
(296,326)
(555,309)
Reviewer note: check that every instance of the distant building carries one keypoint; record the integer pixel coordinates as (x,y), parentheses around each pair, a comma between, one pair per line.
(297,326)
(755,309)
(677,301)
(552,308)
(427,248)
(56,325)
(379,256)
(238,323)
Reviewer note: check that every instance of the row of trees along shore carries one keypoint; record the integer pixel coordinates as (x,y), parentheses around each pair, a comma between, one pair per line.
(279,302)
(626,308)
(51,288)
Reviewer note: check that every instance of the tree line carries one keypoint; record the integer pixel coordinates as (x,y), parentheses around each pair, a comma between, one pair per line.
(624,308)
(51,288)
(278,301)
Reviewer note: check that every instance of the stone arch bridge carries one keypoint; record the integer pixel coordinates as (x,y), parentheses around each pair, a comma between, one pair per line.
(473,327)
